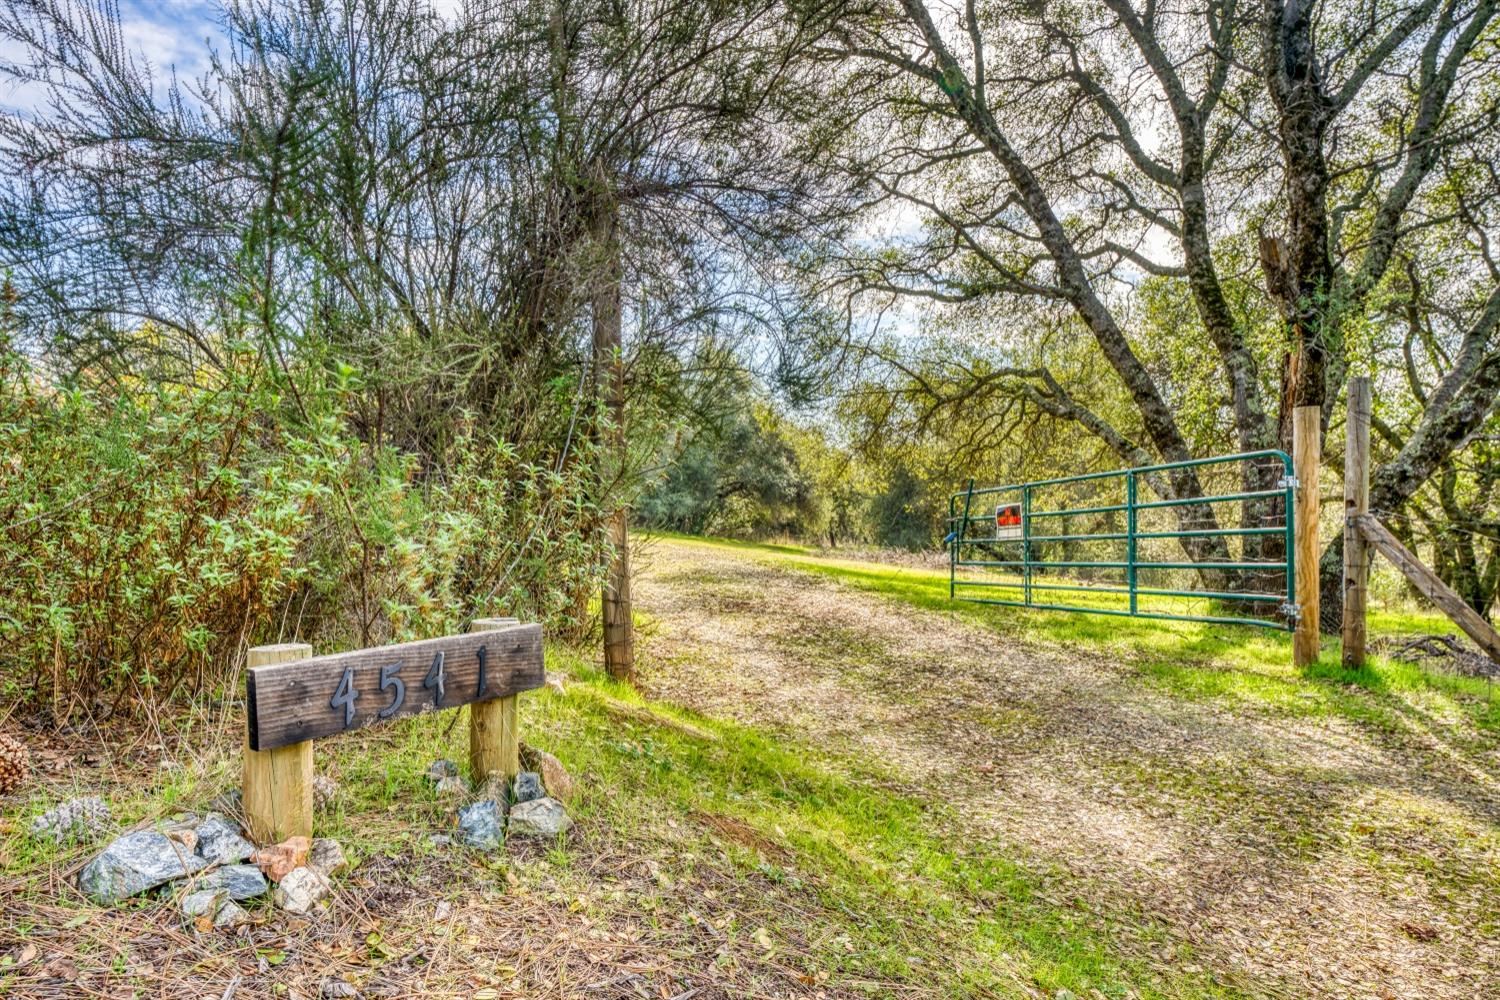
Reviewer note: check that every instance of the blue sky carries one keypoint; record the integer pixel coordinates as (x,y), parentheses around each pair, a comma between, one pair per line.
(168,33)
(176,36)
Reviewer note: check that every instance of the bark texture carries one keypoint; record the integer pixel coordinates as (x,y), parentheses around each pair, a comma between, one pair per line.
(609,373)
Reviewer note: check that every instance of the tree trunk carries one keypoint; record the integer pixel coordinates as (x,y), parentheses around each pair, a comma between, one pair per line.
(609,373)
(1299,266)
(1443,430)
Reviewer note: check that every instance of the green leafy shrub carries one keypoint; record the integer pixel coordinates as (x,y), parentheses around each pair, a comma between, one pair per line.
(151,533)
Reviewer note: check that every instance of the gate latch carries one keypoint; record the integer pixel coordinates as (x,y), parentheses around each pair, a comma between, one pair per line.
(1287,483)
(1291,611)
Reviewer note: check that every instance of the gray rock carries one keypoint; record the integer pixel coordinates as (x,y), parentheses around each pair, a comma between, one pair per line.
(439,839)
(231,914)
(74,820)
(201,903)
(440,769)
(555,777)
(451,785)
(301,890)
(134,863)
(327,857)
(482,825)
(337,989)
(528,787)
(539,818)
(325,789)
(212,907)
(238,881)
(219,841)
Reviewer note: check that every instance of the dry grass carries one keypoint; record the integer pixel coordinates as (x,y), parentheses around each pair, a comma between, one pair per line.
(876,800)
(619,908)
(1309,851)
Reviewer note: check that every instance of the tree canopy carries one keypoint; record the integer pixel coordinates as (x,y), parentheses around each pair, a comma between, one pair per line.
(758,267)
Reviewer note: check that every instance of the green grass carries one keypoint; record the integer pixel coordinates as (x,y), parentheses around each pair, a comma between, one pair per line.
(1241,664)
(835,875)
(799,859)
(1330,815)
(902,899)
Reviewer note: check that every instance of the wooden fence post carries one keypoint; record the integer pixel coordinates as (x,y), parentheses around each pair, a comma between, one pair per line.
(1306,457)
(278,784)
(1430,586)
(494,730)
(1356,505)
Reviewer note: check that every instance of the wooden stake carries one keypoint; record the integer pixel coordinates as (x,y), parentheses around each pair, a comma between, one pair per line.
(1428,584)
(619,635)
(278,784)
(1306,458)
(494,729)
(1356,505)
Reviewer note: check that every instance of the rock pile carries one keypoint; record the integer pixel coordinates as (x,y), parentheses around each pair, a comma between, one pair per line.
(520,808)
(202,862)
(302,869)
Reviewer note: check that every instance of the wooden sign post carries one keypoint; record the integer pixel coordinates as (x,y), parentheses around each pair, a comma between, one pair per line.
(293,698)
(494,733)
(278,783)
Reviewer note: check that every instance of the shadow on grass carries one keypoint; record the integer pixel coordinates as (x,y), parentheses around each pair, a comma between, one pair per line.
(1289,809)
(1193,659)
(922,900)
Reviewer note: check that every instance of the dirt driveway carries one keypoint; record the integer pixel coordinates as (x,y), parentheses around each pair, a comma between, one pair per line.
(1315,855)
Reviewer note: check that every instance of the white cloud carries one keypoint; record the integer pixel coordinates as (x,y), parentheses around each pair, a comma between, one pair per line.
(170,36)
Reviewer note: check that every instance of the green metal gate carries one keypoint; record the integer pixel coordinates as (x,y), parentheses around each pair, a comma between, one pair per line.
(1009,556)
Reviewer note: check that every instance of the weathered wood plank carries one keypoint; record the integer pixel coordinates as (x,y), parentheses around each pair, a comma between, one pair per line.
(1428,584)
(326,695)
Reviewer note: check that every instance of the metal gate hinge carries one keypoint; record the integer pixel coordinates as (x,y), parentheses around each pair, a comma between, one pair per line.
(1287,483)
(1291,611)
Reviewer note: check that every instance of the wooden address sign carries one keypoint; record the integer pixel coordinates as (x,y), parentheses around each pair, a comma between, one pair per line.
(306,699)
